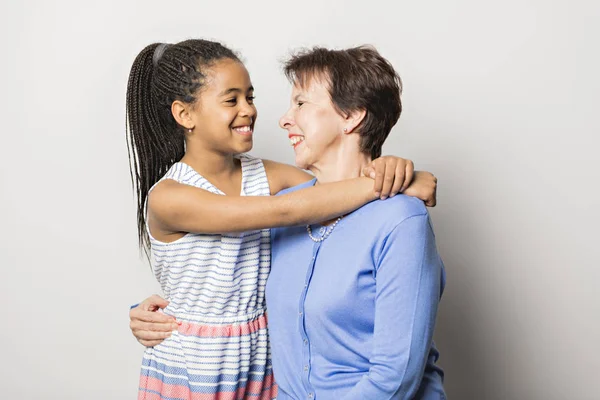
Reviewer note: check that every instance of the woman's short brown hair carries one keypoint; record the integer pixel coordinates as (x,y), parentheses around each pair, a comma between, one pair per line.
(358,79)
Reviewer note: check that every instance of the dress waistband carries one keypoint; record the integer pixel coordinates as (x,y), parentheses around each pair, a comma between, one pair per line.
(215,319)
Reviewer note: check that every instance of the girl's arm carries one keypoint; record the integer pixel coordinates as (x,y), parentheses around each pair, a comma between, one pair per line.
(392,175)
(175,207)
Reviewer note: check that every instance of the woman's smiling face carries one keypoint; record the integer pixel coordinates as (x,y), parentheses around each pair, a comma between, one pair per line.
(314,125)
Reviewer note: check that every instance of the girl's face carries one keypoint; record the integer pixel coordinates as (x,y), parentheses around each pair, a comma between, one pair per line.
(224,114)
(314,126)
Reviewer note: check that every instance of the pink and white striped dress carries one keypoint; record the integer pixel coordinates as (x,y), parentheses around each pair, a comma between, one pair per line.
(216,286)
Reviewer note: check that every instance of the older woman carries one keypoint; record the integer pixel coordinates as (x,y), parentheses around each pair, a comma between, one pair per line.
(352,302)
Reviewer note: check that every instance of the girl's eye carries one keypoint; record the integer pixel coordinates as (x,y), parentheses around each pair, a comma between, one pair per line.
(250,99)
(231,101)
(299,104)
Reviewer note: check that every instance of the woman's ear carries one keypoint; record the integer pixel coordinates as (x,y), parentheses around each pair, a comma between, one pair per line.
(181,113)
(353,120)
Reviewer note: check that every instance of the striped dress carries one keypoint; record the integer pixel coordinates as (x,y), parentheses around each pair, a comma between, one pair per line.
(216,287)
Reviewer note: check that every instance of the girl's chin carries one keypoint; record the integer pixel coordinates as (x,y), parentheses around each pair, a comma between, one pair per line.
(244,147)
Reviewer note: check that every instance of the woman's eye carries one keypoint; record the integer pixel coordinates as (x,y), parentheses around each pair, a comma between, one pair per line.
(250,99)
(231,101)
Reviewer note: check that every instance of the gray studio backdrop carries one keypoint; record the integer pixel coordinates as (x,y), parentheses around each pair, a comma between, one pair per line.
(501,102)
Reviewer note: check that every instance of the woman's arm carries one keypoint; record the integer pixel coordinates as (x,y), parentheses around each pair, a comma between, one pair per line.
(408,285)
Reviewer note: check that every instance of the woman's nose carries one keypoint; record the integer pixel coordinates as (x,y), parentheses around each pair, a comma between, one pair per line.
(286,121)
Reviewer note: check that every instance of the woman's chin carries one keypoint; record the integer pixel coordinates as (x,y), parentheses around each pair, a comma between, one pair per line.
(300,162)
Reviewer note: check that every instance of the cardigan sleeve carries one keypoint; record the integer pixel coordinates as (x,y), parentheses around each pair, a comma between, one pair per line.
(408,277)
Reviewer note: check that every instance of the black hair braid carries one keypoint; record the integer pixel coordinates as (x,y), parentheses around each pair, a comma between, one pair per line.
(155,140)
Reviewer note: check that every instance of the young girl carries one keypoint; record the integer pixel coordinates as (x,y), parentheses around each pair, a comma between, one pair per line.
(203,209)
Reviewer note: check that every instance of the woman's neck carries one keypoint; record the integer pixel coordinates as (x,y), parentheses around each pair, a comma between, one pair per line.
(343,165)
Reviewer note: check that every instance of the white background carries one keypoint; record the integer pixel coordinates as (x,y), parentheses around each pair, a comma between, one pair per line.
(501,102)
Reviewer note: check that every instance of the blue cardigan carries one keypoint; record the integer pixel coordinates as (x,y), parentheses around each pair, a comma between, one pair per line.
(352,317)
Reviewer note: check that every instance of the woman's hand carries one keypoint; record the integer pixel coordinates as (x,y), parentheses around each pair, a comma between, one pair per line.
(149,326)
(392,175)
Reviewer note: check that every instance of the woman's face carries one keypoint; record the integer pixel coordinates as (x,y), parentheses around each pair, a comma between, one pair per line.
(314,126)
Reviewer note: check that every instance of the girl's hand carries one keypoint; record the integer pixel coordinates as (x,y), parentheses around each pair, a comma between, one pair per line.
(424,187)
(392,175)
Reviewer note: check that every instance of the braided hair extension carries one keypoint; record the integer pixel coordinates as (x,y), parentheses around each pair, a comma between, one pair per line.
(155,141)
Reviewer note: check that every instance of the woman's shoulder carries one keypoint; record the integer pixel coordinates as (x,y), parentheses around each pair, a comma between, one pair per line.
(303,185)
(394,210)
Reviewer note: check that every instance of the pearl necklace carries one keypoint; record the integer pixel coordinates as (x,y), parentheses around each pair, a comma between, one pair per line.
(324,233)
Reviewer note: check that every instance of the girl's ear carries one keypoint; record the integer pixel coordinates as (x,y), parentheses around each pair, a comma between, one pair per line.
(181,113)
